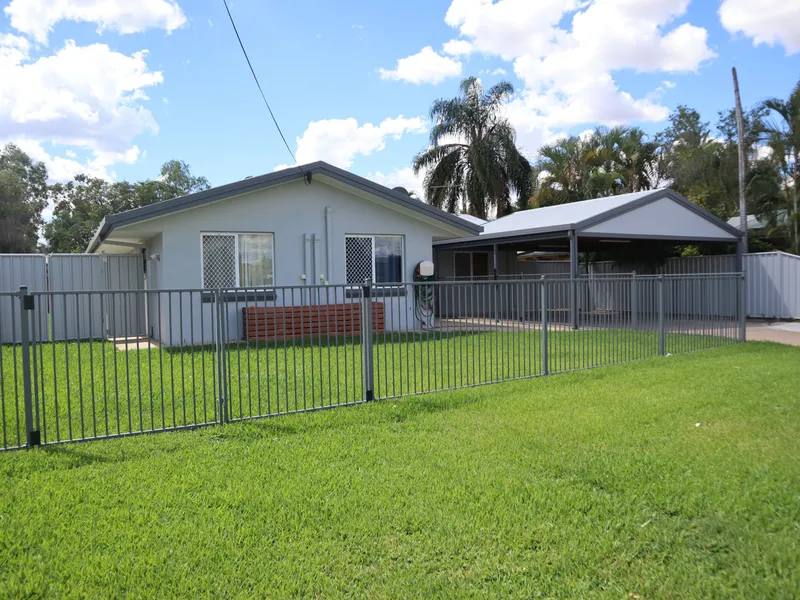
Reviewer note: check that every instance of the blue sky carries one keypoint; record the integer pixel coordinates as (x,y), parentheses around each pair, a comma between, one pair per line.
(117,87)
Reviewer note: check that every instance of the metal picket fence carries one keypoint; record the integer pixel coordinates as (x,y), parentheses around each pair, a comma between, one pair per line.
(218,356)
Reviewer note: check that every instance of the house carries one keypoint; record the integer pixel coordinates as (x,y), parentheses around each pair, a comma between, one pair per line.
(309,236)
(754,223)
(298,227)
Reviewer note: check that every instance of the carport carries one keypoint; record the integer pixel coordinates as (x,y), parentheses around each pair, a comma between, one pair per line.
(635,224)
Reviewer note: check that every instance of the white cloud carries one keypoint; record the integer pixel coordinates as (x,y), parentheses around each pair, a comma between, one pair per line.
(37,17)
(87,97)
(563,53)
(768,22)
(400,177)
(338,141)
(426,66)
(763,152)
(507,28)
(64,168)
(457,48)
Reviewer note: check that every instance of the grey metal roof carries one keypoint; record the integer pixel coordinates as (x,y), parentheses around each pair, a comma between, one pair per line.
(562,215)
(109,223)
(753,222)
(559,220)
(471,219)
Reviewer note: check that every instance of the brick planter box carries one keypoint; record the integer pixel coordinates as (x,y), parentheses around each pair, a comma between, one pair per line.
(323,320)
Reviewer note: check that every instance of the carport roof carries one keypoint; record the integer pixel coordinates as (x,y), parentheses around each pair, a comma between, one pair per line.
(652,215)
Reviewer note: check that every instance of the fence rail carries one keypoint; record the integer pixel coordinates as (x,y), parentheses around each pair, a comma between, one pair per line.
(218,356)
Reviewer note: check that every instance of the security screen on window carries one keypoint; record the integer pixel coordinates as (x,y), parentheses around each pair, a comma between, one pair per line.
(237,260)
(377,258)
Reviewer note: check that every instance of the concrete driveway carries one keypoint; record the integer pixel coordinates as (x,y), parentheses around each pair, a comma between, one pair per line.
(775,331)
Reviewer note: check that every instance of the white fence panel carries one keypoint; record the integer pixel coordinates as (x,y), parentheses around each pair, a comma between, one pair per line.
(17,270)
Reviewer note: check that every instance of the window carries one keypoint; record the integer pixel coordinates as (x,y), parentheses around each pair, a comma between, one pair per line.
(471,264)
(233,260)
(378,258)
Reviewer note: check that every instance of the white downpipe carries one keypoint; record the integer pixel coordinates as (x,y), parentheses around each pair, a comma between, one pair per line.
(328,244)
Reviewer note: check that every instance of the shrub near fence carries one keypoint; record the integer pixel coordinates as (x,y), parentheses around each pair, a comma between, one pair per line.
(222,356)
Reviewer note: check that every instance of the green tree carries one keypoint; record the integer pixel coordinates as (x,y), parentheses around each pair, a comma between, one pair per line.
(564,172)
(607,162)
(23,197)
(473,164)
(81,204)
(638,161)
(783,132)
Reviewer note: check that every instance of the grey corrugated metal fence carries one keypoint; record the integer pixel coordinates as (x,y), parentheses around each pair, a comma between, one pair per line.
(773,285)
(17,270)
(773,278)
(75,272)
(241,354)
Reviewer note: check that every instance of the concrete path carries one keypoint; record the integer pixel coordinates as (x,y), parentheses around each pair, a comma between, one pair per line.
(776,331)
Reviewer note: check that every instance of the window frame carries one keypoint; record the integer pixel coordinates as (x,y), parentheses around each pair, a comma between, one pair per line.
(372,236)
(235,235)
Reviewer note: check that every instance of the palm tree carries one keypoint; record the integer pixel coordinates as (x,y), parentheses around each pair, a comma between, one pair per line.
(638,161)
(473,163)
(563,172)
(784,137)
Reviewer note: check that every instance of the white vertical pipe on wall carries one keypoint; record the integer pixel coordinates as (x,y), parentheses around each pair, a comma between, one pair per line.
(328,244)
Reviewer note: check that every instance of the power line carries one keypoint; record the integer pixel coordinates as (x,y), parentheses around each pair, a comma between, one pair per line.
(263,96)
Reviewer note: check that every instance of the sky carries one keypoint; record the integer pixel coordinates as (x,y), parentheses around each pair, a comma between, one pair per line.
(115,88)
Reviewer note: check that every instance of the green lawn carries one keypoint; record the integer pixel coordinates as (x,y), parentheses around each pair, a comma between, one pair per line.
(676,477)
(90,389)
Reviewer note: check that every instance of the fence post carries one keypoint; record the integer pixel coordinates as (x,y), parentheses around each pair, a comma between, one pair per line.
(634,302)
(545,358)
(742,308)
(26,303)
(220,352)
(366,342)
(661,344)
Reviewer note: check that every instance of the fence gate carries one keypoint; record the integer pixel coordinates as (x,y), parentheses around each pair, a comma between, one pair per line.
(74,310)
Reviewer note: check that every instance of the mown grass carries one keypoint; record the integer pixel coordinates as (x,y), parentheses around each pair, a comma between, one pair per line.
(670,478)
(88,389)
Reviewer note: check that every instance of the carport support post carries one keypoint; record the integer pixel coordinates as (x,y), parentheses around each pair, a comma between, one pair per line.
(495,276)
(573,276)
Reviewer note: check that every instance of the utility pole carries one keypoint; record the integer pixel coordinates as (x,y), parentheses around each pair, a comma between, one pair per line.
(742,162)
